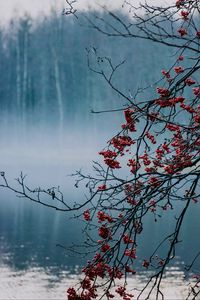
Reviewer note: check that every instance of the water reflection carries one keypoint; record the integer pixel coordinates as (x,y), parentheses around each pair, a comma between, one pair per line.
(29,233)
(41,283)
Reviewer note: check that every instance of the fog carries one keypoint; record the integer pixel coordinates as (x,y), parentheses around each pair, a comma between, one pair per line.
(48,131)
(37,7)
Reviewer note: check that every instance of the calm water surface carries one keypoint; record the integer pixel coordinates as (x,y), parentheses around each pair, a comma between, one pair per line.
(32,266)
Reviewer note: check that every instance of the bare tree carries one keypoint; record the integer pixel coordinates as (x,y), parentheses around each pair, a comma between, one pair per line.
(152,163)
(158,145)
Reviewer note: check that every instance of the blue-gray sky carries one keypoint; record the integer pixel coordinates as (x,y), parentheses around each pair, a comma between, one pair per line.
(8,8)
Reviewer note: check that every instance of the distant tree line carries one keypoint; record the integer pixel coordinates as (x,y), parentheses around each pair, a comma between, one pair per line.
(45,78)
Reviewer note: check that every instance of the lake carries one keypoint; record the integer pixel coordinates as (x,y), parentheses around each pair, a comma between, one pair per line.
(32,265)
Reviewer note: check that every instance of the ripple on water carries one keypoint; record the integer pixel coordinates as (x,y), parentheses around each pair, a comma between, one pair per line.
(38,283)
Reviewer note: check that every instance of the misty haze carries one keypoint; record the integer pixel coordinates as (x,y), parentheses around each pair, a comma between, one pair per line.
(48,131)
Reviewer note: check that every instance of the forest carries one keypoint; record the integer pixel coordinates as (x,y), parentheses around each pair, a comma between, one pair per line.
(45,76)
(101,73)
